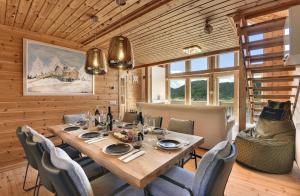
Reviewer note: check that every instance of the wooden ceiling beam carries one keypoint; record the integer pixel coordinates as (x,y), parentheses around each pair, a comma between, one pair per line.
(267,8)
(188,57)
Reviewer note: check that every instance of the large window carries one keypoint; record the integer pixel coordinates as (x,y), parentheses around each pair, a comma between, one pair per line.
(177,91)
(199,91)
(226,92)
(226,60)
(199,64)
(177,67)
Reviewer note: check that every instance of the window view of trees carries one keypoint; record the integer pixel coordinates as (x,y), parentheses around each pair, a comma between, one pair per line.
(226,88)
(177,91)
(226,93)
(199,90)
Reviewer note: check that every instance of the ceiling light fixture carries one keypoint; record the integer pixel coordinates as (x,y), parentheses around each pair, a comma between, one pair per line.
(95,58)
(208,29)
(120,54)
(192,50)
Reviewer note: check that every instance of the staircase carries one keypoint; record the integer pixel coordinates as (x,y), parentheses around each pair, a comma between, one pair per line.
(262,48)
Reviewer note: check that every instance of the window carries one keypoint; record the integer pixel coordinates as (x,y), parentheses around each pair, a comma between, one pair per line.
(177,67)
(226,60)
(177,91)
(256,37)
(199,91)
(226,93)
(158,81)
(199,64)
(256,52)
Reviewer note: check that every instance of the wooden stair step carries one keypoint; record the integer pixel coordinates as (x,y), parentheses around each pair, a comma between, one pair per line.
(266,69)
(265,57)
(265,43)
(259,103)
(264,27)
(272,96)
(274,79)
(273,88)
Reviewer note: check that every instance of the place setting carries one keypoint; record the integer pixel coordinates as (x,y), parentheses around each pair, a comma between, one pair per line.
(126,151)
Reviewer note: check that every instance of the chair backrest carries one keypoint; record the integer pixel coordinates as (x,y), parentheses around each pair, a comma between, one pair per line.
(74,118)
(215,178)
(130,117)
(181,126)
(22,136)
(153,121)
(61,181)
(37,152)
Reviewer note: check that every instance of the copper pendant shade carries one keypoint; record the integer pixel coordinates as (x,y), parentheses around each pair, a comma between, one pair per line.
(120,55)
(95,62)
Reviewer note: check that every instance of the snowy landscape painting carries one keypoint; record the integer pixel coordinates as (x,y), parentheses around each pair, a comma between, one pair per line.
(54,70)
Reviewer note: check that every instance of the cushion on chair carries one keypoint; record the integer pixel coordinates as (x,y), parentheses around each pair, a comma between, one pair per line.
(273,114)
(74,118)
(61,160)
(162,187)
(108,183)
(279,105)
(221,150)
(181,126)
(270,128)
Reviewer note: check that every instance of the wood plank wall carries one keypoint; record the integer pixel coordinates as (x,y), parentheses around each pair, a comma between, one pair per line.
(39,111)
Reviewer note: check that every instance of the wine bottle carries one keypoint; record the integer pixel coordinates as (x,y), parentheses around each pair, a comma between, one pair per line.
(109,119)
(140,118)
(97,116)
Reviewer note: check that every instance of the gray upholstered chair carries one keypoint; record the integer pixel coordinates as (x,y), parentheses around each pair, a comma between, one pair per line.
(68,178)
(153,121)
(74,118)
(130,117)
(210,178)
(30,159)
(37,144)
(186,127)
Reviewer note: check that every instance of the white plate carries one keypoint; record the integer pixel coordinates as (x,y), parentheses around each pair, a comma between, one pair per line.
(116,154)
(80,136)
(176,148)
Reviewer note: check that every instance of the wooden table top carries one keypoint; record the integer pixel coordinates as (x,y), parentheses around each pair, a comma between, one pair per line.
(140,171)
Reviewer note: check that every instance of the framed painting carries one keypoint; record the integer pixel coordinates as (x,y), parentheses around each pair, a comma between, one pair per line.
(53,70)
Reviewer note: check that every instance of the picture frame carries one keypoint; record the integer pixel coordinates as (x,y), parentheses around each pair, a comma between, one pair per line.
(51,70)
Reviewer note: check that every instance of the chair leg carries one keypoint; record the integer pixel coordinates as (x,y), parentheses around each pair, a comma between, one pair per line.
(38,188)
(36,184)
(25,178)
(194,152)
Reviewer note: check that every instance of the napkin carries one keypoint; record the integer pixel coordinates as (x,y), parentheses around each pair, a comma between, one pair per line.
(134,156)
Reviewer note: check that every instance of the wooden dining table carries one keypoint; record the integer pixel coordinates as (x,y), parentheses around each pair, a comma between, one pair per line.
(140,171)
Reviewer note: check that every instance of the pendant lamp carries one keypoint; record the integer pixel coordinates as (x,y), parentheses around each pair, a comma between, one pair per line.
(95,58)
(120,54)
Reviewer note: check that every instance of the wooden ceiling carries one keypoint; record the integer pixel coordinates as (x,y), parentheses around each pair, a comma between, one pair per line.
(158,29)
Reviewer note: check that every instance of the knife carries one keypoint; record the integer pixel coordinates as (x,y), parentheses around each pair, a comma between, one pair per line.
(129,154)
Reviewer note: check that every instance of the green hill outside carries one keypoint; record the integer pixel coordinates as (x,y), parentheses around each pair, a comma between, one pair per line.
(199,91)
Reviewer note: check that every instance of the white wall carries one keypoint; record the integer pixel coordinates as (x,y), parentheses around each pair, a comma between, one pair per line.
(296,119)
(294,29)
(158,84)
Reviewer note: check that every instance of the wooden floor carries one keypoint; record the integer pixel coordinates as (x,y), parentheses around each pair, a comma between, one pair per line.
(242,182)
